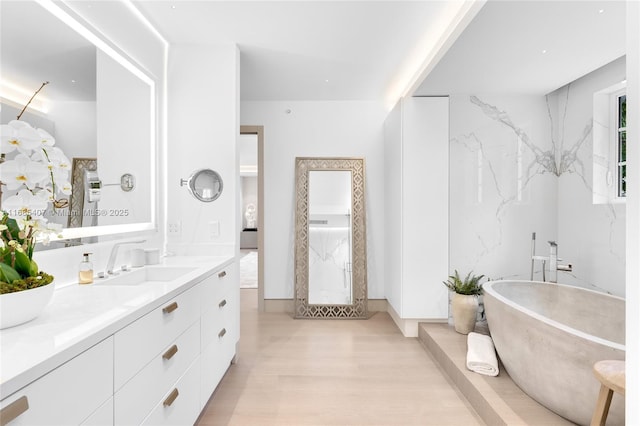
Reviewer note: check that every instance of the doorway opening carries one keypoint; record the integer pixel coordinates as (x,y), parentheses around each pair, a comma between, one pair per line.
(251,170)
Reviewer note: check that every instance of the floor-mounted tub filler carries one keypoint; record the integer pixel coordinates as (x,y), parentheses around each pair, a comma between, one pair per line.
(548,336)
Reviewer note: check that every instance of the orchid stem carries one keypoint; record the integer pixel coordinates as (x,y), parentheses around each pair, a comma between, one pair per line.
(34,95)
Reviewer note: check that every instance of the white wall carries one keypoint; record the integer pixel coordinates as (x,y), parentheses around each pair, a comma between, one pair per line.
(203,128)
(123,143)
(393,207)
(500,191)
(75,128)
(590,236)
(416,208)
(316,129)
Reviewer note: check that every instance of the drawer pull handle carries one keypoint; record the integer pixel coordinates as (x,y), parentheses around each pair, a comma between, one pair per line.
(172,397)
(170,352)
(222,333)
(222,274)
(13,410)
(170,308)
(222,304)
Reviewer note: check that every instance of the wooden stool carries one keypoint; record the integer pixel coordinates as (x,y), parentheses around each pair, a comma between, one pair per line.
(612,375)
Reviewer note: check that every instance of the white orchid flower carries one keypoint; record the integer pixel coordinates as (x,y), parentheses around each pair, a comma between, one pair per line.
(23,205)
(56,161)
(44,194)
(63,186)
(45,138)
(19,135)
(59,168)
(22,171)
(44,230)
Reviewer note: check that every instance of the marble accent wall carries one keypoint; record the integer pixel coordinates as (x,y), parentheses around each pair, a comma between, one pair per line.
(590,235)
(503,187)
(523,164)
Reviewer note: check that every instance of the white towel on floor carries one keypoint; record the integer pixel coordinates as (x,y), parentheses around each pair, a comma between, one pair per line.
(481,354)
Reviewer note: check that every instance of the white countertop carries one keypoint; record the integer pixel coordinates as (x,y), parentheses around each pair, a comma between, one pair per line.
(79,316)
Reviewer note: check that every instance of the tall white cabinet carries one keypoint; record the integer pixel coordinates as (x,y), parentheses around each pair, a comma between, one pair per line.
(416,149)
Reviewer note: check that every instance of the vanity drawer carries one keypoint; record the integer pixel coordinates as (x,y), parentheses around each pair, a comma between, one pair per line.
(216,358)
(180,404)
(67,395)
(214,319)
(145,338)
(140,394)
(217,286)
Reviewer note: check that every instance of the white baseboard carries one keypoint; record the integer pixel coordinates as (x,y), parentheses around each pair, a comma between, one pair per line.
(409,326)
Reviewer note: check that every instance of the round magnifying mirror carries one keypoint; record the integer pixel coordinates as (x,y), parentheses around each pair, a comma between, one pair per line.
(205,185)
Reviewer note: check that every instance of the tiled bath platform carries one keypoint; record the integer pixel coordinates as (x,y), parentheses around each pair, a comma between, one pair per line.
(497,400)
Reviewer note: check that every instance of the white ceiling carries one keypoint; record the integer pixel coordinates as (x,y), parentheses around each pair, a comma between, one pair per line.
(501,51)
(36,47)
(304,50)
(339,50)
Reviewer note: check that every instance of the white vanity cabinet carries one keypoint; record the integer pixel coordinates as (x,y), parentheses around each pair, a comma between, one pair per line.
(220,327)
(159,367)
(67,395)
(169,362)
(152,353)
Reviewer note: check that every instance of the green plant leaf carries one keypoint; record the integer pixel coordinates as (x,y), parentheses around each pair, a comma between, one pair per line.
(8,274)
(33,269)
(469,286)
(22,264)
(14,230)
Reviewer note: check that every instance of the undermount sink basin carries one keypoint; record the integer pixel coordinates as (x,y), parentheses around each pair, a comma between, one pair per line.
(146,275)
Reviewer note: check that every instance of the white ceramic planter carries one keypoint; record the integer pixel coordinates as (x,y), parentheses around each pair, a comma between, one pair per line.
(22,306)
(464,309)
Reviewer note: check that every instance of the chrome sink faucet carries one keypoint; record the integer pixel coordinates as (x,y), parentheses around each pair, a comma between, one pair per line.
(114,255)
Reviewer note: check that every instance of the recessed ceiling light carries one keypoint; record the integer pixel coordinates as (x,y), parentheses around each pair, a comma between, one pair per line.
(73,81)
(326,81)
(544,51)
(173,6)
(601,11)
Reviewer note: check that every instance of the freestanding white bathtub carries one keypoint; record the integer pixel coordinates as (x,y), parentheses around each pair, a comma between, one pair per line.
(548,336)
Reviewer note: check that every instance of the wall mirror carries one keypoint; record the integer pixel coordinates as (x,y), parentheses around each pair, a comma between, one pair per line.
(330,247)
(204,184)
(84,109)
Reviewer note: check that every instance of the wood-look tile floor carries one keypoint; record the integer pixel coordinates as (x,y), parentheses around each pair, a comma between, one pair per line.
(331,372)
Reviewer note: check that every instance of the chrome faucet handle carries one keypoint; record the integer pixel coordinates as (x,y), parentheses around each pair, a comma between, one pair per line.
(114,252)
(553,243)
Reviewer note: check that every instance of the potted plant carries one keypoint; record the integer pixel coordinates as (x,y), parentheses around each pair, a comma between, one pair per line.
(464,302)
(35,175)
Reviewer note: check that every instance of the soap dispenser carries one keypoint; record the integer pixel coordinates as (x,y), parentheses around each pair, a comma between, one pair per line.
(85,272)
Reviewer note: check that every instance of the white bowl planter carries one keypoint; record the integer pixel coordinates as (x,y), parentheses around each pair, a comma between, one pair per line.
(22,306)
